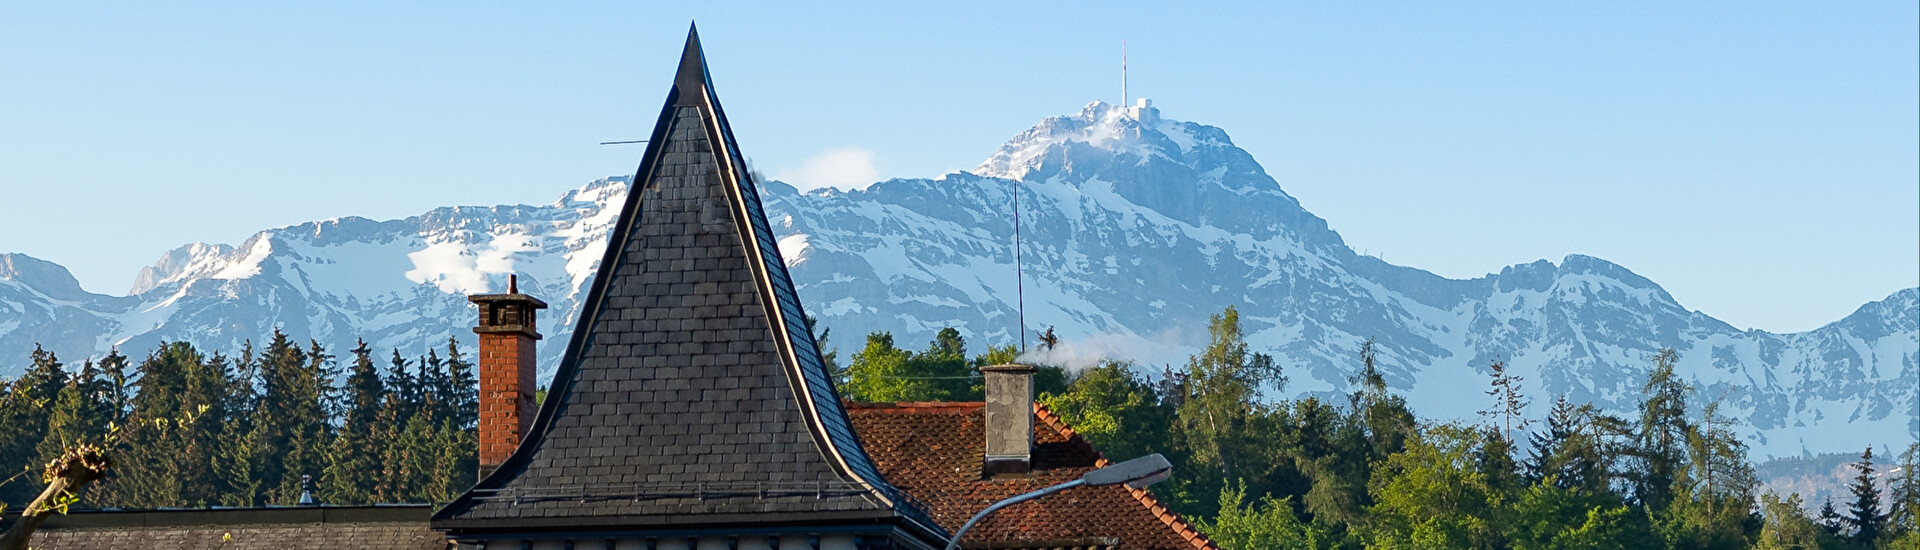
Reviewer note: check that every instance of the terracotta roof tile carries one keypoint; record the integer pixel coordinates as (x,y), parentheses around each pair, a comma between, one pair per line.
(933,452)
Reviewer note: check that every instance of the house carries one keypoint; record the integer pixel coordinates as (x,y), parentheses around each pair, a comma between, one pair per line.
(692,410)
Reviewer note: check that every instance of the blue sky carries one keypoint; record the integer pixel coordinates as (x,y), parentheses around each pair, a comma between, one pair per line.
(1757,159)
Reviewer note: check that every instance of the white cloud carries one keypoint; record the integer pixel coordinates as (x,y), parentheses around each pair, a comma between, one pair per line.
(844,168)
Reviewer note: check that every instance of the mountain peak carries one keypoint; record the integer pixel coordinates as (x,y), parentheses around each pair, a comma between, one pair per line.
(1136,131)
(47,277)
(188,261)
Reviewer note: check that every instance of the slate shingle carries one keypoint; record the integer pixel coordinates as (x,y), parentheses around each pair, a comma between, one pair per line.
(692,385)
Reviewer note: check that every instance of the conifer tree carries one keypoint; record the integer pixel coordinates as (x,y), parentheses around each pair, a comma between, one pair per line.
(1903,506)
(1863,514)
(356,452)
(1570,451)
(147,476)
(1508,412)
(242,448)
(79,415)
(457,441)
(291,417)
(1712,502)
(26,408)
(829,354)
(464,385)
(1830,521)
(1663,427)
(1384,416)
(403,387)
(114,372)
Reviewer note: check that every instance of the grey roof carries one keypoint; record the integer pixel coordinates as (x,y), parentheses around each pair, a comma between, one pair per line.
(692,391)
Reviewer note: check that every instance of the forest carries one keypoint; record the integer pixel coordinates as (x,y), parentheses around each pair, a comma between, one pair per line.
(187,428)
(1364,470)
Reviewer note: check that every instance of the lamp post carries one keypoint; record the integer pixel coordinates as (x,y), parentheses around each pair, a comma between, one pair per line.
(1137,473)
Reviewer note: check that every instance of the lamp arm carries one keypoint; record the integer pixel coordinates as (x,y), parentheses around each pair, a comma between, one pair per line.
(955,543)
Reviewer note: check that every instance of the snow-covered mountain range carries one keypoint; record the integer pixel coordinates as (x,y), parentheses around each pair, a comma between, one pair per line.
(1135,229)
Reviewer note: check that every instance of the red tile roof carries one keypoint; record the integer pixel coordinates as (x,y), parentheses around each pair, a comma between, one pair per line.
(934,452)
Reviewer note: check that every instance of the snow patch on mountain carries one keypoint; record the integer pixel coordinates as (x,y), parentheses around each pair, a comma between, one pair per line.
(1135,229)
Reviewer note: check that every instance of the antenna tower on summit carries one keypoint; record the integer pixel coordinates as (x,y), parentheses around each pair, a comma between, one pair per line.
(1123,72)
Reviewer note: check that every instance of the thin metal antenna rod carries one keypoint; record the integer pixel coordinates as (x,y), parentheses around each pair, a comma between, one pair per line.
(1019,278)
(1123,72)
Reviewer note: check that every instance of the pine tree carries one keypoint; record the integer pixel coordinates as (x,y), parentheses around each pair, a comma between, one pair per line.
(1863,515)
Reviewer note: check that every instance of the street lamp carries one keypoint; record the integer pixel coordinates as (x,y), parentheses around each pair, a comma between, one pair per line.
(1137,474)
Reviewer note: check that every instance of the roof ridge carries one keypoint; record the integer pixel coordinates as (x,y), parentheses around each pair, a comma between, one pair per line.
(1166,515)
(690,357)
(916,405)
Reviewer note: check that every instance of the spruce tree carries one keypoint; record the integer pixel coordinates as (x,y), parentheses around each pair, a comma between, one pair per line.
(456,444)
(464,399)
(1570,451)
(356,452)
(1863,515)
(1830,521)
(242,448)
(402,386)
(26,408)
(291,419)
(79,415)
(148,475)
(116,376)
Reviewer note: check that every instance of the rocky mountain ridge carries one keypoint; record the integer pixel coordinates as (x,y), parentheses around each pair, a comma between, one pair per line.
(1135,228)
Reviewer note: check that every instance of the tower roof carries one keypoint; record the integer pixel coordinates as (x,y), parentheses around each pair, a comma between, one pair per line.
(692,391)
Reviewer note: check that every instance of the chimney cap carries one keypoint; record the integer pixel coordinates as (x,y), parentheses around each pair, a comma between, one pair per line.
(1010,367)
(512,295)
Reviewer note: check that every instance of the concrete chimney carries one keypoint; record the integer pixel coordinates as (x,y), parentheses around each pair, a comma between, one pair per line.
(507,333)
(1009,418)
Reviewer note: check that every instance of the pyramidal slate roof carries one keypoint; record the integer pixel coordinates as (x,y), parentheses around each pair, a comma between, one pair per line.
(692,392)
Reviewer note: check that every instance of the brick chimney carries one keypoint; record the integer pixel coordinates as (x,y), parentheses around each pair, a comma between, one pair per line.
(507,333)
(1009,418)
